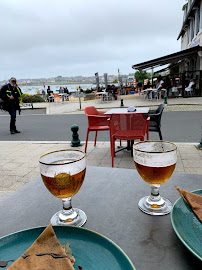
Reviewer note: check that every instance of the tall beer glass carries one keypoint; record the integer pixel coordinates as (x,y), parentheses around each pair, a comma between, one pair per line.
(155,162)
(63,174)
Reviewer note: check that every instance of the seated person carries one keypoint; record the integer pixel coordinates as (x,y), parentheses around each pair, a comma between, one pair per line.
(160,83)
(190,86)
(174,88)
(99,89)
(66,91)
(148,85)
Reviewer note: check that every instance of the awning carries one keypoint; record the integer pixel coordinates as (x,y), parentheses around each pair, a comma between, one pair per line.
(169,67)
(171,58)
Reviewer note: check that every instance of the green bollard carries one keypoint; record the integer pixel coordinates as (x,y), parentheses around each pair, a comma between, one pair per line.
(122,103)
(165,100)
(200,143)
(75,136)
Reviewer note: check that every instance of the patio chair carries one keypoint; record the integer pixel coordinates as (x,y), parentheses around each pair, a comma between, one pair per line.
(57,97)
(155,119)
(129,127)
(97,121)
(143,94)
(51,98)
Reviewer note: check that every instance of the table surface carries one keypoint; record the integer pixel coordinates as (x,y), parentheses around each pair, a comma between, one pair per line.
(151,89)
(125,110)
(109,197)
(102,93)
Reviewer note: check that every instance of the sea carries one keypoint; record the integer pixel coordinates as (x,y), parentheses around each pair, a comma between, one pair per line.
(34,89)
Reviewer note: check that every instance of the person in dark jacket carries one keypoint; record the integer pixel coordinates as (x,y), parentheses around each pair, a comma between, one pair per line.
(10,94)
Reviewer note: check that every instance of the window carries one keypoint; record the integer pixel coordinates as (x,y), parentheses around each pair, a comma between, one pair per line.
(191,30)
(200,16)
(197,21)
(189,5)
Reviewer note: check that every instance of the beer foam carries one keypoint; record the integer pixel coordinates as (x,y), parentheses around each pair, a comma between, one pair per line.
(155,159)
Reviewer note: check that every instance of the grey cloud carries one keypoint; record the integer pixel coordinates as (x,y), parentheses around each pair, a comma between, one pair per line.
(80,37)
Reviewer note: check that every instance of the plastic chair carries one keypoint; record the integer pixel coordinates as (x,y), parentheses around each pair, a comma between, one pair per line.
(57,97)
(97,121)
(127,126)
(155,120)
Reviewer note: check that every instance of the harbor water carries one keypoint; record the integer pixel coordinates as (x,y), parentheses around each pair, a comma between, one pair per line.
(34,89)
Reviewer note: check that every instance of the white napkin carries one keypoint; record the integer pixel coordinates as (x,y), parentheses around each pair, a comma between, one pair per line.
(131,109)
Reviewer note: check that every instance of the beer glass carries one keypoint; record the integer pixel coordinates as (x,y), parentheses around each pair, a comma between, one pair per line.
(63,174)
(155,162)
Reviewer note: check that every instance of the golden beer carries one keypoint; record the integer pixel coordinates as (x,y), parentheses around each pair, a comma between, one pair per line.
(64,185)
(155,175)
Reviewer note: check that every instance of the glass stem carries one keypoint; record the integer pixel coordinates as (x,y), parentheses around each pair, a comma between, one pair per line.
(68,214)
(67,206)
(155,197)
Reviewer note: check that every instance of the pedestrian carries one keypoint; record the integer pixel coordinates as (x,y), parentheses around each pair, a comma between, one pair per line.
(10,94)
(43,93)
(139,86)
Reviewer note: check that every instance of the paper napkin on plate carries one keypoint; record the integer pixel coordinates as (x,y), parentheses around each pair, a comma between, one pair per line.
(194,200)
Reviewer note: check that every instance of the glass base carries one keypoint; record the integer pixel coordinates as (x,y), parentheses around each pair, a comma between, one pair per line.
(78,220)
(155,209)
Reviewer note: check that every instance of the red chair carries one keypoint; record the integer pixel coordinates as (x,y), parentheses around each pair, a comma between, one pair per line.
(127,126)
(96,121)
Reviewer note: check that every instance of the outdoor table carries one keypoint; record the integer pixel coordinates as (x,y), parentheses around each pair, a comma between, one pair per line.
(64,96)
(144,110)
(110,198)
(104,96)
(125,110)
(150,93)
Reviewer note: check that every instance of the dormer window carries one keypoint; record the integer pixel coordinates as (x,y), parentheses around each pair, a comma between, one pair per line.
(189,4)
(197,21)
(191,29)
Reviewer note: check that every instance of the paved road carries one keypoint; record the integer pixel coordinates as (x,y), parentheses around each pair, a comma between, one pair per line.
(27,111)
(176,127)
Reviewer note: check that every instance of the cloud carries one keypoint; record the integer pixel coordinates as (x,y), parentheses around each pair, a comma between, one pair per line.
(80,37)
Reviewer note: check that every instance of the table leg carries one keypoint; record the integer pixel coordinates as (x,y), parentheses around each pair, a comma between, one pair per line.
(128,147)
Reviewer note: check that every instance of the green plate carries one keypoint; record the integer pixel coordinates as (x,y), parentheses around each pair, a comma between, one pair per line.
(90,249)
(187,226)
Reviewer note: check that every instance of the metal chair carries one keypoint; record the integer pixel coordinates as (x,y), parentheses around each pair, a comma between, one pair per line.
(155,120)
(129,127)
(97,121)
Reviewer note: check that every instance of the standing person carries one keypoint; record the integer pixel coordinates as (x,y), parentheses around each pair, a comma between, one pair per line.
(48,90)
(43,93)
(10,94)
(139,86)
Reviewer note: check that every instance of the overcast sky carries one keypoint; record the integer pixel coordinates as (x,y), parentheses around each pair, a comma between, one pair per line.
(47,38)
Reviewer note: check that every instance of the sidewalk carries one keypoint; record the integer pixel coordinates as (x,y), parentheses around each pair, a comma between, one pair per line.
(73,106)
(19,160)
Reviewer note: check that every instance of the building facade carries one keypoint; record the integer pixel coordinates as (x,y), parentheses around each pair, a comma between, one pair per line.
(186,65)
(191,33)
